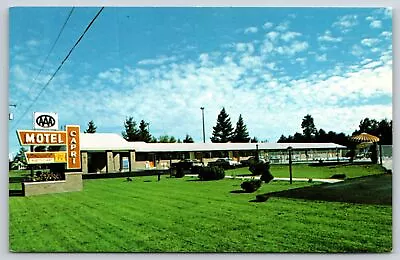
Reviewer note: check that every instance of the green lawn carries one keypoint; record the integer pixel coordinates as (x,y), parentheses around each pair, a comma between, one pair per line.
(185,215)
(19,173)
(305,171)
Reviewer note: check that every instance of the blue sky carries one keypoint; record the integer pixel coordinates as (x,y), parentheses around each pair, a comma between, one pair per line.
(272,65)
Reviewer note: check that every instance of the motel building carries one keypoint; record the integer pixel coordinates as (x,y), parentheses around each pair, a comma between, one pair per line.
(110,153)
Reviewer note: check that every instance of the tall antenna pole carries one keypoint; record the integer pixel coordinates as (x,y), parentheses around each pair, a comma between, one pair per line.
(204,133)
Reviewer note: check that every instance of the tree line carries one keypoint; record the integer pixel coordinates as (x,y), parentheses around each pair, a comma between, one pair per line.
(136,133)
(381,129)
(224,132)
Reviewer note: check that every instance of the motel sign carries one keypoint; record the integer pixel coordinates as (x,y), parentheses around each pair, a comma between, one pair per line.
(69,138)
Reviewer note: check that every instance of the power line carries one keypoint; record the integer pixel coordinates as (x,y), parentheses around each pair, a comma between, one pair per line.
(51,49)
(59,67)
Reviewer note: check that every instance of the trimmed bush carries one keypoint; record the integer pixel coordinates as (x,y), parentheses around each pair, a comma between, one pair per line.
(211,173)
(48,176)
(180,173)
(338,176)
(196,169)
(262,168)
(251,186)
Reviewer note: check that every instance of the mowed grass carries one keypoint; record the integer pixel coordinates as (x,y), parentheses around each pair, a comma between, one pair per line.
(185,215)
(317,172)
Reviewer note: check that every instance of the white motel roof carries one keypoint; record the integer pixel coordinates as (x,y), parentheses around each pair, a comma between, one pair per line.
(103,142)
(115,142)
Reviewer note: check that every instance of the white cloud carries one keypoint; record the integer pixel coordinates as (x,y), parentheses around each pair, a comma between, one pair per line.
(289,36)
(327,37)
(345,23)
(372,64)
(268,25)
(271,65)
(302,61)
(266,47)
(385,13)
(114,75)
(158,61)
(204,59)
(245,47)
(292,49)
(369,42)
(365,61)
(386,34)
(33,43)
(296,47)
(272,35)
(252,62)
(376,24)
(321,57)
(251,30)
(283,26)
(356,50)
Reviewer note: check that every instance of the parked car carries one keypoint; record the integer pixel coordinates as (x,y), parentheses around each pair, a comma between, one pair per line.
(225,163)
(187,165)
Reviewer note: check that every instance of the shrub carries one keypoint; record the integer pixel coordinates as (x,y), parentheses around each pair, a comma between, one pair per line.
(196,169)
(211,173)
(179,172)
(339,176)
(262,168)
(251,186)
(48,176)
(373,153)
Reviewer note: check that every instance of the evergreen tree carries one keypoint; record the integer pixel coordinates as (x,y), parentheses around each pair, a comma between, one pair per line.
(91,128)
(19,159)
(223,130)
(254,140)
(240,134)
(282,139)
(131,132)
(153,140)
(309,129)
(144,134)
(188,139)
(167,139)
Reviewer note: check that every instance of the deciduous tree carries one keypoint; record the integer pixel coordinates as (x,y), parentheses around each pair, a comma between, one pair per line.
(309,129)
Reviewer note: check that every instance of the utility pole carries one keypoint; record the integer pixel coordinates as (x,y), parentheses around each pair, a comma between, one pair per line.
(290,163)
(204,133)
